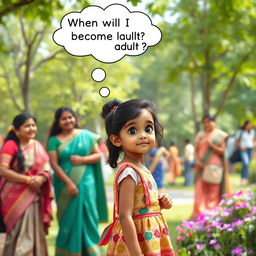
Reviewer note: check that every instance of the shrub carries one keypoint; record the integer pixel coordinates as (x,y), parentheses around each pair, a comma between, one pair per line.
(229,229)
(252,172)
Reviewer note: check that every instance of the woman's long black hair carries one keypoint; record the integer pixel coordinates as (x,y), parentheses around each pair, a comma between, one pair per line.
(116,114)
(17,122)
(55,128)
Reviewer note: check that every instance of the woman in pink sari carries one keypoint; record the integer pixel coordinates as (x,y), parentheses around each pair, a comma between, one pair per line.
(209,150)
(25,190)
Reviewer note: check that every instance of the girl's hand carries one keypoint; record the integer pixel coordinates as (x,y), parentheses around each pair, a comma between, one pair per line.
(76,160)
(36,182)
(72,189)
(165,201)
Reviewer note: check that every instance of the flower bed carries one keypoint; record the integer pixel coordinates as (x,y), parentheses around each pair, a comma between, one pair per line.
(229,229)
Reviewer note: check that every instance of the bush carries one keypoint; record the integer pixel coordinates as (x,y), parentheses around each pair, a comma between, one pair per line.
(229,229)
(252,172)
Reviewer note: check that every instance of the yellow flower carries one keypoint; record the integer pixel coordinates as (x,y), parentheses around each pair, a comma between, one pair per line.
(155,245)
(120,249)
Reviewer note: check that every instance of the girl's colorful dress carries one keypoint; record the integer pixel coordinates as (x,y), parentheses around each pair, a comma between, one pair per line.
(79,216)
(27,214)
(151,226)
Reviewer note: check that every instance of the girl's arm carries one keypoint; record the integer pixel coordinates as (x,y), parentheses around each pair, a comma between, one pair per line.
(126,204)
(93,158)
(72,189)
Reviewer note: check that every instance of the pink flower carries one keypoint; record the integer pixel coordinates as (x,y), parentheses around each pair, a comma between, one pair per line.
(157,233)
(140,237)
(213,241)
(217,246)
(199,246)
(115,238)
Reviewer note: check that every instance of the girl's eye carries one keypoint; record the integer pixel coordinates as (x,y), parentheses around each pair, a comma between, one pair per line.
(132,131)
(149,129)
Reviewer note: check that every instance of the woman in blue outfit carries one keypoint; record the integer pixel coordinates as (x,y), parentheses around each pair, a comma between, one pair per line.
(156,165)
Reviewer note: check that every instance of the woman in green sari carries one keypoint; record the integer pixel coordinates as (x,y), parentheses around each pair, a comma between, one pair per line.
(78,185)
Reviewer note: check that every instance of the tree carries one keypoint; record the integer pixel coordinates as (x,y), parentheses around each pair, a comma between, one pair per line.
(24,58)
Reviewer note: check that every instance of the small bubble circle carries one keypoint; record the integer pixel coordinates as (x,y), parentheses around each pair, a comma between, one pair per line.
(104,92)
(98,75)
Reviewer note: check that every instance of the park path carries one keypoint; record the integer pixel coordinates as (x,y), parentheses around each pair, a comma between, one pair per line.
(179,197)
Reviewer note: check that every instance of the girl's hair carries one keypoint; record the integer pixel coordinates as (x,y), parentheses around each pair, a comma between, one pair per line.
(17,122)
(116,114)
(55,128)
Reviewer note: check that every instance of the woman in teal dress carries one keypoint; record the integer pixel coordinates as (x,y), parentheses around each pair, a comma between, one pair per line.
(78,185)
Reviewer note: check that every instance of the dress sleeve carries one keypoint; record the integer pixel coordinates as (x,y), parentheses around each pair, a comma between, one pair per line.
(53,144)
(126,172)
(8,151)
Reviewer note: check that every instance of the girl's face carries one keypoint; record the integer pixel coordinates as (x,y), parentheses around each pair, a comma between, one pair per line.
(137,135)
(27,130)
(67,121)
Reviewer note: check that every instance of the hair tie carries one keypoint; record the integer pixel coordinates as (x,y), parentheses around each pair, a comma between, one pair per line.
(112,109)
(10,129)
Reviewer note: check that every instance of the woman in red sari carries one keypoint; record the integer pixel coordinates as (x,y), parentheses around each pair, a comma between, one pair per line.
(25,190)
(209,150)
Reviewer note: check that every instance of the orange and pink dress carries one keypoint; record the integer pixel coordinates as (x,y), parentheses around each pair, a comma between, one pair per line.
(152,230)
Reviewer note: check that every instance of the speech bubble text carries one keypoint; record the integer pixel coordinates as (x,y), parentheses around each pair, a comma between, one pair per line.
(107,34)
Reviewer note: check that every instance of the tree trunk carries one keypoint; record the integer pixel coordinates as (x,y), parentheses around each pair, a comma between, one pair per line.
(193,104)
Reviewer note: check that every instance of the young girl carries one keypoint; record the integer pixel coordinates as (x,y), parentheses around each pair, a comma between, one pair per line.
(138,227)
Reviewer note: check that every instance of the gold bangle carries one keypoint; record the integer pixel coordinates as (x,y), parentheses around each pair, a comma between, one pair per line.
(28,178)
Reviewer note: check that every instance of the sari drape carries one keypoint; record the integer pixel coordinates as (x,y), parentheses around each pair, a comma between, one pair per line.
(17,197)
(207,196)
(79,216)
(27,214)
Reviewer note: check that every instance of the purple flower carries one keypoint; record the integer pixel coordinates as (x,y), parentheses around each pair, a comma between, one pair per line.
(213,241)
(217,246)
(237,251)
(199,246)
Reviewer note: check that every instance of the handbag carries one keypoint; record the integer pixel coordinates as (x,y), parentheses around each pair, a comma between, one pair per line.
(212,174)
(235,157)
(106,234)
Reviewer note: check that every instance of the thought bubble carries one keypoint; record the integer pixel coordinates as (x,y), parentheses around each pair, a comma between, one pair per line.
(104,92)
(98,75)
(107,34)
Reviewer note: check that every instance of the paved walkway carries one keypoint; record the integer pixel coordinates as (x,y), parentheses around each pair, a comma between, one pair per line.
(178,196)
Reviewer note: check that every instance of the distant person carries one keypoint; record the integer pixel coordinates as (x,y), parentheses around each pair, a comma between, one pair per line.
(209,151)
(189,160)
(25,190)
(156,165)
(78,185)
(230,148)
(174,164)
(246,141)
(106,169)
